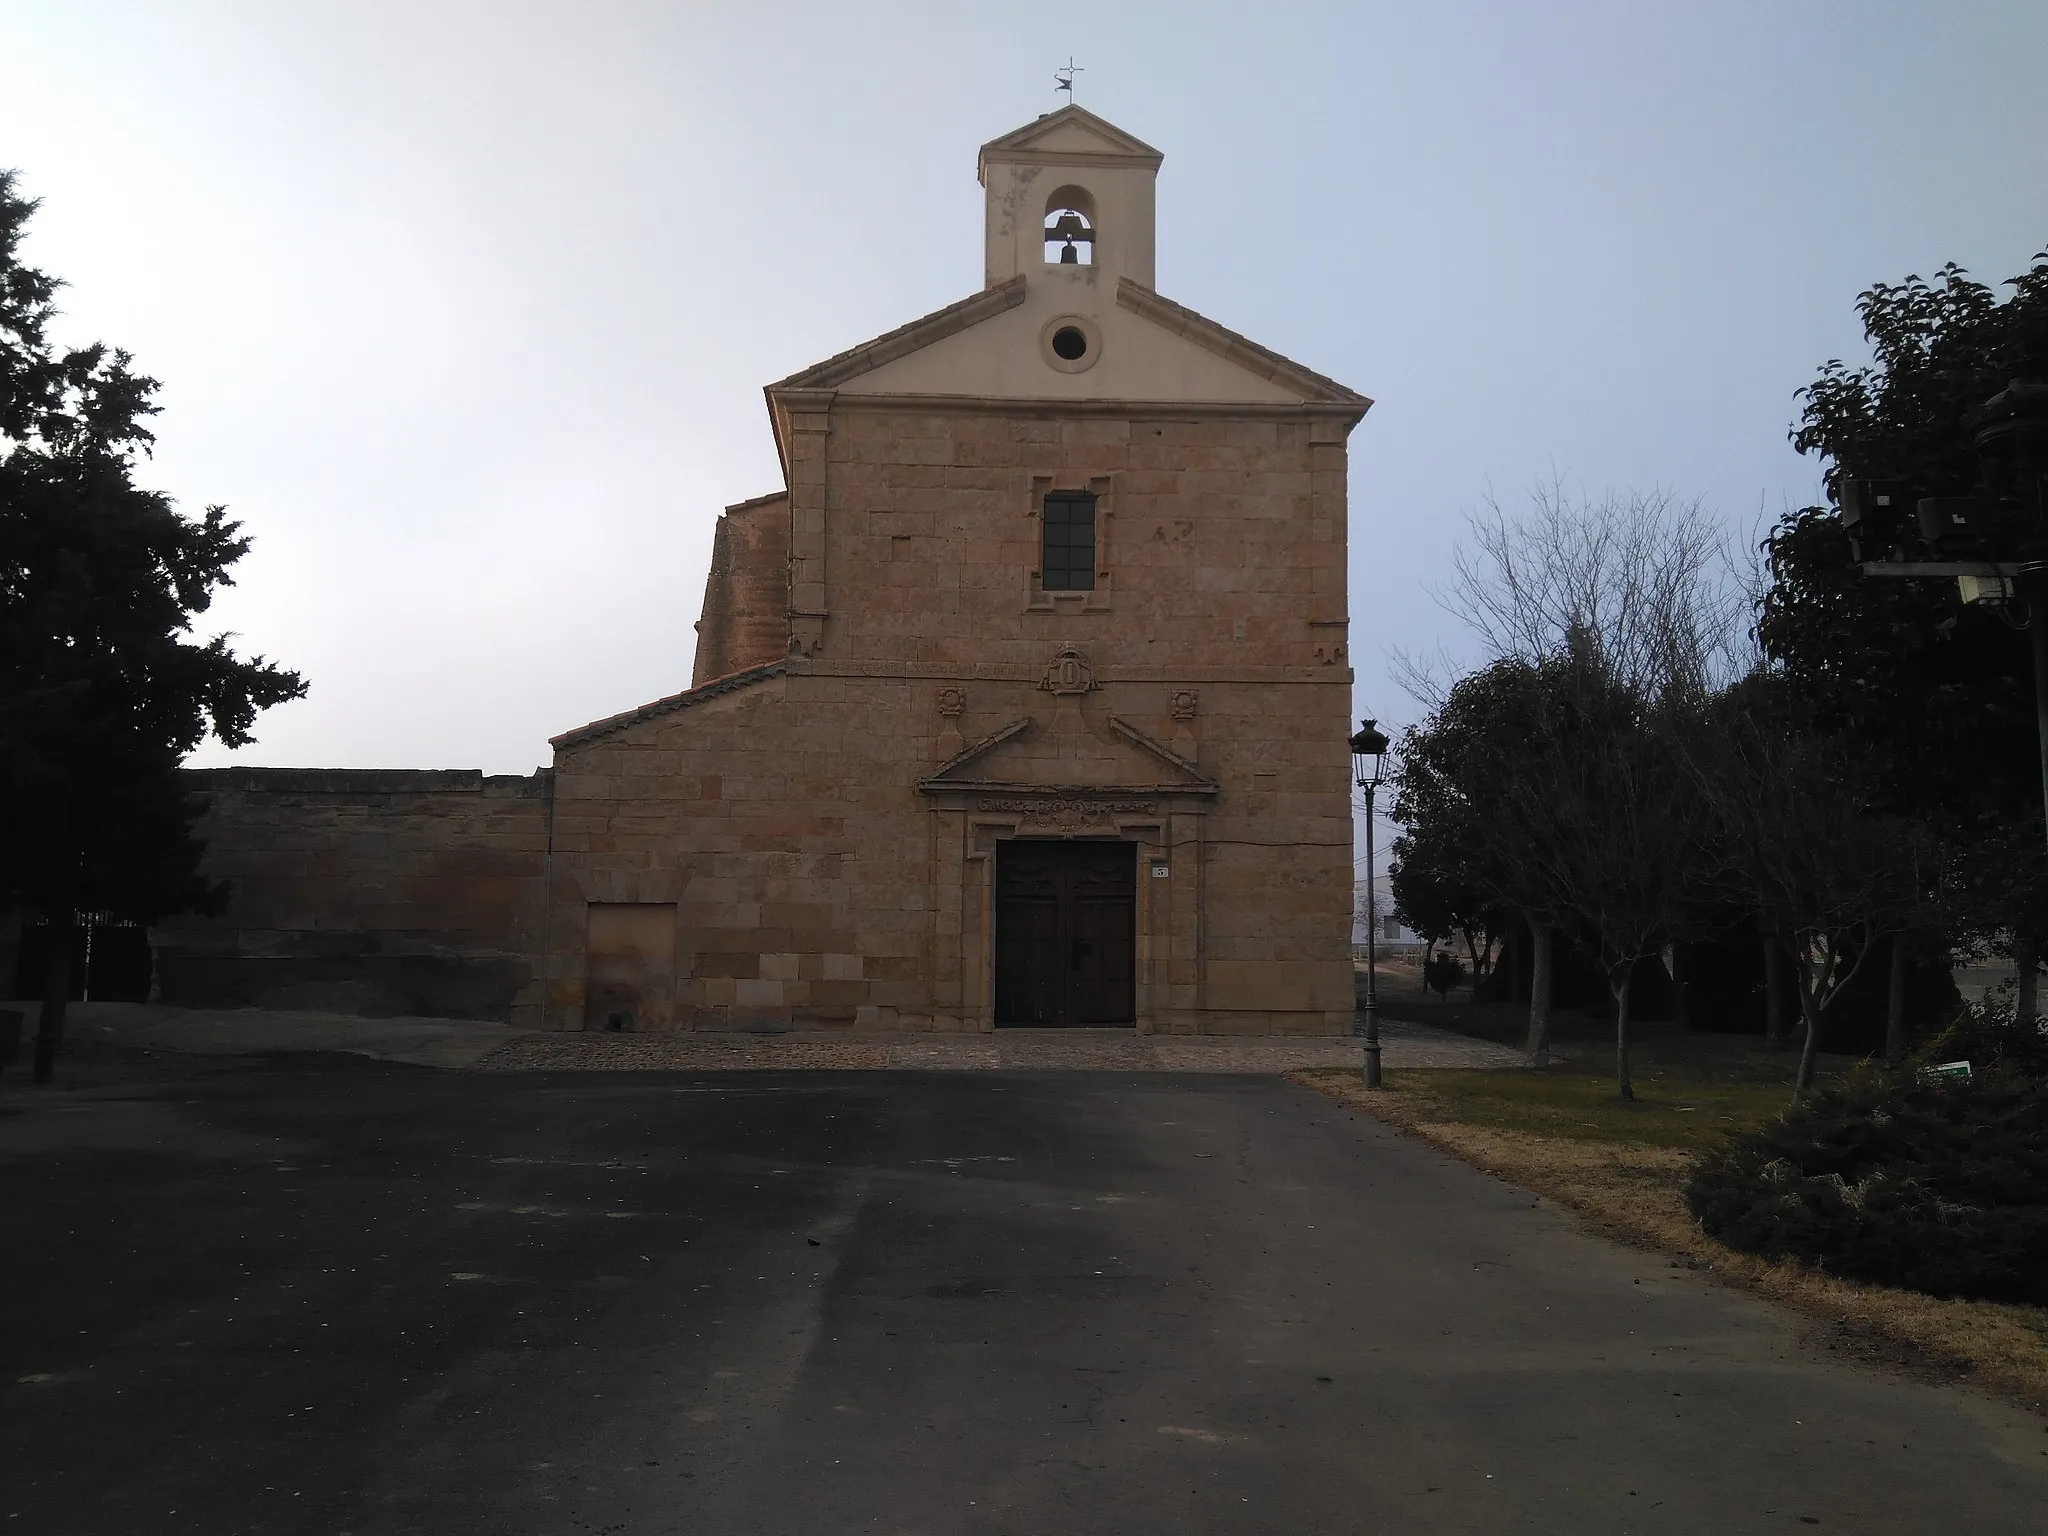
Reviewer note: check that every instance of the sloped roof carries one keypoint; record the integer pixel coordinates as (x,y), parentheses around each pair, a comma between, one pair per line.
(717,688)
(905,339)
(1228,344)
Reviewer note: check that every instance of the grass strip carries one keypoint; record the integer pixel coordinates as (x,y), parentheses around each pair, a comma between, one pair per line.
(1623,1166)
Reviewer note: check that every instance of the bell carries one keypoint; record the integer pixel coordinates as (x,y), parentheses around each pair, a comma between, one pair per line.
(1068,256)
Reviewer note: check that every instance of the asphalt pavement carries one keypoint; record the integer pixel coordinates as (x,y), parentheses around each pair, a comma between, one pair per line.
(348,1296)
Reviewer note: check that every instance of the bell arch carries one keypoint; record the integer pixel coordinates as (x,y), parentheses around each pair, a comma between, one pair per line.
(1070,228)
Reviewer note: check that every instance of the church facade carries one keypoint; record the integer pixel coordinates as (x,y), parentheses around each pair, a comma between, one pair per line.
(1024,702)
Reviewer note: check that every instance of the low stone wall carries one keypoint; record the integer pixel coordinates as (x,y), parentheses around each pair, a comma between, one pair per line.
(367,891)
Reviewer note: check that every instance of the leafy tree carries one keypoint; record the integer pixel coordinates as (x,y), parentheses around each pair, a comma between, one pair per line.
(1609,833)
(1589,821)
(103,691)
(1936,695)
(1449,782)
(1438,881)
(1437,908)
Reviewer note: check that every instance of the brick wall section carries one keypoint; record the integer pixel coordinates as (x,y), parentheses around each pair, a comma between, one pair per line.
(816,884)
(368,892)
(745,621)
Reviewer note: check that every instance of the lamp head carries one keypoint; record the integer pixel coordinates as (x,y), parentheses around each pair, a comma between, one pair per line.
(1368,753)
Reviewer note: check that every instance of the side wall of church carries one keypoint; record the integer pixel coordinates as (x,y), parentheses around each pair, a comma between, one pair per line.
(369,892)
(812,882)
(772,823)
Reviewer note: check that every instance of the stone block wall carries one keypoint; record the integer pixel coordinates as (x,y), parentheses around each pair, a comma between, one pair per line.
(815,883)
(772,849)
(370,892)
(1221,539)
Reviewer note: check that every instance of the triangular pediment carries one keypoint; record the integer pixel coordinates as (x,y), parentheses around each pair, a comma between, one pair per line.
(1154,351)
(1071,131)
(1024,758)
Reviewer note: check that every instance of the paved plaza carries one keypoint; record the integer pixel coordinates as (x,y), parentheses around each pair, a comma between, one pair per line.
(1102,1050)
(335,1295)
(493,1047)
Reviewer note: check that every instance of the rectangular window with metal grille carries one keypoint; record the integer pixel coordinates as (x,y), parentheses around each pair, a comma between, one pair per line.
(1067,558)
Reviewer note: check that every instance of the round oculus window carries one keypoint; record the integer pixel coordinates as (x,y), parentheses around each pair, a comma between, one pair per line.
(1070,343)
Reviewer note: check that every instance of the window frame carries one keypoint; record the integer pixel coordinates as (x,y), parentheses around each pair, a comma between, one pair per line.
(1096,597)
(1058,548)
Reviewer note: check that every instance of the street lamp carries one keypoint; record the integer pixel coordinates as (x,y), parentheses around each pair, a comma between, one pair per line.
(1368,767)
(2011,440)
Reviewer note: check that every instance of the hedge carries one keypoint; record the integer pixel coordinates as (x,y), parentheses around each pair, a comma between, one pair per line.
(1938,1186)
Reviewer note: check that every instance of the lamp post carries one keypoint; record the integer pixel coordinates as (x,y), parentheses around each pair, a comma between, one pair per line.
(1368,763)
(1994,543)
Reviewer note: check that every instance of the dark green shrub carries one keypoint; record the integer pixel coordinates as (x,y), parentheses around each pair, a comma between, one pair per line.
(1988,1037)
(1936,1186)
(1441,972)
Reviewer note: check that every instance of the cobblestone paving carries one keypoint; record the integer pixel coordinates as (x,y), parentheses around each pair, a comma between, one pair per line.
(1101,1050)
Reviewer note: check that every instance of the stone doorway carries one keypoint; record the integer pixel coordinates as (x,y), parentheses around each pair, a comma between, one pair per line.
(1066,932)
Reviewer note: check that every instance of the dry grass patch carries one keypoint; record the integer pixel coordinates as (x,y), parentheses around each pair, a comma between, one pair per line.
(1623,1167)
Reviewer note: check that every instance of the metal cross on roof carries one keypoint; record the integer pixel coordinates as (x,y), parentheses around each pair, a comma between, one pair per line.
(1063,78)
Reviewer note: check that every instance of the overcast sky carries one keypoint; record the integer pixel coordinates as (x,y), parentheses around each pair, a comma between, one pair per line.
(465,309)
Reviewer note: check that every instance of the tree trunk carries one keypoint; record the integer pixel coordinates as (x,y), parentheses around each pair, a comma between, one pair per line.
(56,993)
(2026,998)
(1774,993)
(1809,1049)
(1623,1083)
(1681,1013)
(1540,944)
(1895,1005)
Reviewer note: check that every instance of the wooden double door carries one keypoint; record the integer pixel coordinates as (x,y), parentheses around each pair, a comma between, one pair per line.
(1066,932)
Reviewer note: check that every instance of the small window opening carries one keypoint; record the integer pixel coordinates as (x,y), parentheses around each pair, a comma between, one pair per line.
(1067,558)
(1069,238)
(1070,342)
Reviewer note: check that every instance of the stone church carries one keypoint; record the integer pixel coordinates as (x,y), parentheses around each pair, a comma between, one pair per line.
(1025,701)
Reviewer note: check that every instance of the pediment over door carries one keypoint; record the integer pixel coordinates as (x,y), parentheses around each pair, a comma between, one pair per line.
(1143,773)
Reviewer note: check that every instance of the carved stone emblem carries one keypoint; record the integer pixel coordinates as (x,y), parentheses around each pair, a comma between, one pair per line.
(1185,701)
(951,702)
(1069,673)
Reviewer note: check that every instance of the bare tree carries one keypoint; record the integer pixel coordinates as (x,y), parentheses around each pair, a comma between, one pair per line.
(1618,610)
(1649,580)
(1830,870)
(1602,828)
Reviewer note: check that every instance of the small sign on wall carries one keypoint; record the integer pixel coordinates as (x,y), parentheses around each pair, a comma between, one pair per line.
(1158,871)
